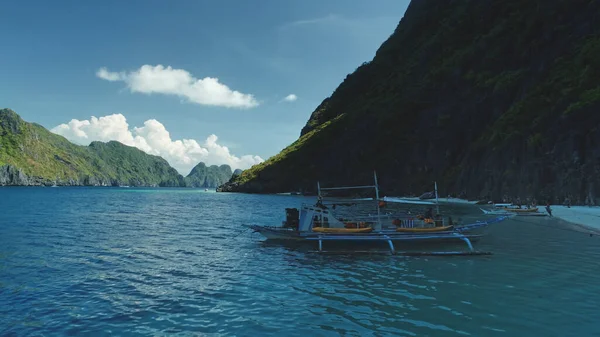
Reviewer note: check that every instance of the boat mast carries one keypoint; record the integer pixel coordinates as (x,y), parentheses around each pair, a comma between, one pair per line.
(318,190)
(319,199)
(437,203)
(377,200)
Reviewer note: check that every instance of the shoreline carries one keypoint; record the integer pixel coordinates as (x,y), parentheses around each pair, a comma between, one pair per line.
(584,216)
(100,186)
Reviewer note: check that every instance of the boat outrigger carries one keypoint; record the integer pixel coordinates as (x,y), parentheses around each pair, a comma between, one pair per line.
(321,222)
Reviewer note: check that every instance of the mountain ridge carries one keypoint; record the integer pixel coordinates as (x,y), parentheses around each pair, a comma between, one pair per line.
(212,176)
(30,155)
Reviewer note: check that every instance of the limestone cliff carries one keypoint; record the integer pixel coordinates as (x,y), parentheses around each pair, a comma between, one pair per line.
(30,155)
(491,98)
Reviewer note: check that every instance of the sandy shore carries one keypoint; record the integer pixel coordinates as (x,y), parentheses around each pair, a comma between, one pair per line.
(579,215)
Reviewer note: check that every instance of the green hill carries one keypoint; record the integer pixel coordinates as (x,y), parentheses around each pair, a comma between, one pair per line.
(32,155)
(490,98)
(208,176)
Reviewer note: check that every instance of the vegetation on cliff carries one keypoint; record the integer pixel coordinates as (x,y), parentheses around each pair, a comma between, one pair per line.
(208,176)
(32,155)
(490,98)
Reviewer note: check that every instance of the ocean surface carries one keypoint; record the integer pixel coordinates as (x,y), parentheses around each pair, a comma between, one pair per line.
(153,262)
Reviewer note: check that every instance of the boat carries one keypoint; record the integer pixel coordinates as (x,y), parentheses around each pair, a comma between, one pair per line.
(425,229)
(523,210)
(324,222)
(497,212)
(510,209)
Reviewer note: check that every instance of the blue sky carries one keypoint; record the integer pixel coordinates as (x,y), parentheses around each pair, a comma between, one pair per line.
(52,51)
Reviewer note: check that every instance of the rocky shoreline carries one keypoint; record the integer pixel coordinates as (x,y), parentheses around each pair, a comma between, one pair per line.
(12,176)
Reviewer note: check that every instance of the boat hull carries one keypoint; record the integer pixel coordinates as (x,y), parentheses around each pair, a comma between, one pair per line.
(496,212)
(523,210)
(278,233)
(425,229)
(342,230)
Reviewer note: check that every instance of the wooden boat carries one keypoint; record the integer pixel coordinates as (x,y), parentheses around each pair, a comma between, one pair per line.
(425,229)
(523,210)
(321,223)
(500,211)
(342,230)
(512,210)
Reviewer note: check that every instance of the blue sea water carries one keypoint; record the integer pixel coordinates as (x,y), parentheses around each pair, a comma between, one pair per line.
(148,262)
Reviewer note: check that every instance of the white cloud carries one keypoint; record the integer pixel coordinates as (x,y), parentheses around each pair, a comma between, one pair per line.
(153,138)
(168,81)
(290,98)
(104,74)
(325,19)
(362,28)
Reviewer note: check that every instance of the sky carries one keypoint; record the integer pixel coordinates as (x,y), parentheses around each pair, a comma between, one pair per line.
(223,82)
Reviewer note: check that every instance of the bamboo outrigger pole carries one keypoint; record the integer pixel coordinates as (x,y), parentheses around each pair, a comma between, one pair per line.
(377,198)
(437,203)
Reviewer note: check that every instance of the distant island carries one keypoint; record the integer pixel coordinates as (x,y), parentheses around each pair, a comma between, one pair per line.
(491,99)
(208,176)
(30,155)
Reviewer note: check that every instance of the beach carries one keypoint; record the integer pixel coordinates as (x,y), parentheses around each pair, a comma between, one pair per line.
(587,216)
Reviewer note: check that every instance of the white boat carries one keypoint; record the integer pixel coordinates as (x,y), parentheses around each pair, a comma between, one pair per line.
(496,212)
(510,209)
(321,222)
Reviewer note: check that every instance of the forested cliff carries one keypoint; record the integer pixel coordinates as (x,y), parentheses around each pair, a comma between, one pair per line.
(30,155)
(491,98)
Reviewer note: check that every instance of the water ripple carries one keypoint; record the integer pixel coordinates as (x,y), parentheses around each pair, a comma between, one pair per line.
(79,261)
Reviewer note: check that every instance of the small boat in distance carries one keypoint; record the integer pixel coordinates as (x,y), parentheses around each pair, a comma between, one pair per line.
(522,210)
(511,209)
(324,221)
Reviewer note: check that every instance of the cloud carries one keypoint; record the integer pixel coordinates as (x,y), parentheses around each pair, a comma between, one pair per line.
(104,74)
(365,28)
(325,19)
(169,81)
(153,138)
(290,98)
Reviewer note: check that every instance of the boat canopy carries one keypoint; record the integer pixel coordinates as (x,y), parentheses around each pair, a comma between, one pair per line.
(315,216)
